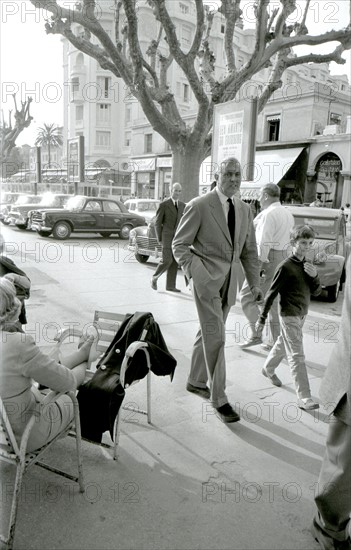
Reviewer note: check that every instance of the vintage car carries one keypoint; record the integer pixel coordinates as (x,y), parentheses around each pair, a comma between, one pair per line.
(144,207)
(143,242)
(20,214)
(329,249)
(23,204)
(6,199)
(86,215)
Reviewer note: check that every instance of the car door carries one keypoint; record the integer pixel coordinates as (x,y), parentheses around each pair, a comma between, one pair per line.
(113,216)
(91,217)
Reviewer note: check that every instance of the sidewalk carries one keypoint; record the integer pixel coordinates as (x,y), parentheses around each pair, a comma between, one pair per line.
(188,481)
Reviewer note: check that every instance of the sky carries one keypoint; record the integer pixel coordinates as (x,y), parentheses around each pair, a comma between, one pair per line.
(31,61)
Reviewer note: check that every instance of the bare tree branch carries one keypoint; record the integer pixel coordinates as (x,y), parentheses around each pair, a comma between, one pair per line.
(9,134)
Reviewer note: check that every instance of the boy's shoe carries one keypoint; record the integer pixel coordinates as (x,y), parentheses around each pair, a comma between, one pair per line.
(326,542)
(307,404)
(273,378)
(253,341)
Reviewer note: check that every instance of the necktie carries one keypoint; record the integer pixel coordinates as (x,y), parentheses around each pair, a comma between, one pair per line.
(176,204)
(231,219)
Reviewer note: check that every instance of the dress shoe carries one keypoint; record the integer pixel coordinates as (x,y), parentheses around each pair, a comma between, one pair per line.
(172,289)
(227,413)
(153,283)
(202,392)
(326,542)
(307,404)
(253,341)
(273,378)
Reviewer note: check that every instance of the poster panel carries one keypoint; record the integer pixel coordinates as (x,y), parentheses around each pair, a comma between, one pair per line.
(234,134)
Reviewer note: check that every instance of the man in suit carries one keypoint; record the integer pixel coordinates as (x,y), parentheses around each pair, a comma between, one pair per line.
(331,525)
(167,219)
(215,234)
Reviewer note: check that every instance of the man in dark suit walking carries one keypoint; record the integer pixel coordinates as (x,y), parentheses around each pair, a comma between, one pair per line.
(167,218)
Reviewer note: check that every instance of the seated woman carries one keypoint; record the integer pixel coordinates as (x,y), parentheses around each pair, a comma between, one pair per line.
(21,363)
(22,284)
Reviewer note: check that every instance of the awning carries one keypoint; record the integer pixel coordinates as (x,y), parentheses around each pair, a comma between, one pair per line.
(249,194)
(271,166)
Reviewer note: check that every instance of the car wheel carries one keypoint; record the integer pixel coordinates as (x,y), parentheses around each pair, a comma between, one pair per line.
(22,226)
(5,222)
(333,292)
(106,235)
(142,258)
(44,233)
(124,231)
(62,230)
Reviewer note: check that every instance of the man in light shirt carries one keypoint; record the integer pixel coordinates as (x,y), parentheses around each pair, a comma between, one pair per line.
(272,230)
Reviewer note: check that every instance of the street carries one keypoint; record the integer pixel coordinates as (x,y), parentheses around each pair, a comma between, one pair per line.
(187,466)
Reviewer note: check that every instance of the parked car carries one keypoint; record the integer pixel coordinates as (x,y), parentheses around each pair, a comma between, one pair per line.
(20,214)
(329,249)
(86,215)
(22,205)
(143,243)
(7,199)
(144,207)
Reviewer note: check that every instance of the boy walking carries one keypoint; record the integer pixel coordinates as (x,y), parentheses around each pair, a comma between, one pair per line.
(295,280)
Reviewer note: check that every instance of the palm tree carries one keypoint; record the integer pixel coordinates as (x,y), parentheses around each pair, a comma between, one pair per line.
(50,135)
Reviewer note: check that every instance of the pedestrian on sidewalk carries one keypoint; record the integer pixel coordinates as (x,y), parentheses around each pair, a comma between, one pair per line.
(168,215)
(295,280)
(215,234)
(331,525)
(272,230)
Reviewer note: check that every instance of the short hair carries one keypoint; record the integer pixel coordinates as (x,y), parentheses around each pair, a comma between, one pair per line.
(271,189)
(226,161)
(301,232)
(9,303)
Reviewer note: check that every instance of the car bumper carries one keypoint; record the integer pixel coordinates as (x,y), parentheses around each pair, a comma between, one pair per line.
(36,226)
(330,272)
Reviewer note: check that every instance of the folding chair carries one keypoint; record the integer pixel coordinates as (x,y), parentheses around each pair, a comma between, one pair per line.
(14,453)
(106,324)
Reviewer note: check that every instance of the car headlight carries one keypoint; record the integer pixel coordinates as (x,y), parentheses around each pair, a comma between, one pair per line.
(320,258)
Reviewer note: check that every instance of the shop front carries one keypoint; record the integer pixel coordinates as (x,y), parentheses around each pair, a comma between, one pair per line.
(143,177)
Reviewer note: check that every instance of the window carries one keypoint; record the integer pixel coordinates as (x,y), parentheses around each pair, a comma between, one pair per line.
(75,86)
(128,114)
(104,85)
(334,118)
(148,143)
(111,207)
(186,36)
(103,139)
(183,8)
(93,206)
(127,139)
(103,113)
(186,92)
(273,126)
(79,112)
(222,29)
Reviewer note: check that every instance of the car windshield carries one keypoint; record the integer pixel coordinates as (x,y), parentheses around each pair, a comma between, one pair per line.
(147,206)
(324,228)
(75,203)
(28,199)
(52,200)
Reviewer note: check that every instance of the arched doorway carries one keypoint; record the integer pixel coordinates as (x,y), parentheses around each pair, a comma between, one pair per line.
(329,181)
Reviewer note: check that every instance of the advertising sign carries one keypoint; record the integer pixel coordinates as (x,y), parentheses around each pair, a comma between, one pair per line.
(234,134)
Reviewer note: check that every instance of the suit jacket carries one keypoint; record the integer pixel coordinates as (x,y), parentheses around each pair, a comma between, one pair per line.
(336,384)
(101,397)
(167,220)
(202,246)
